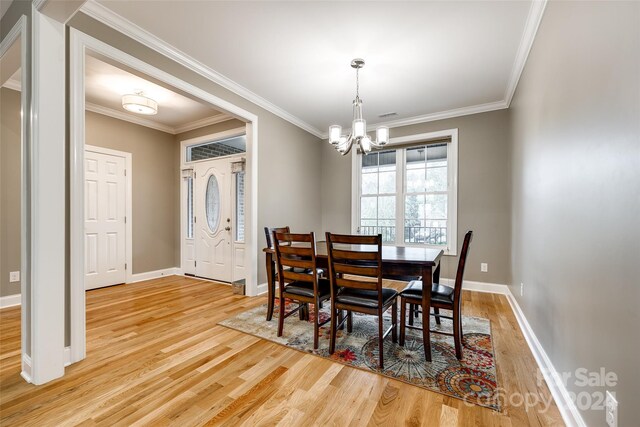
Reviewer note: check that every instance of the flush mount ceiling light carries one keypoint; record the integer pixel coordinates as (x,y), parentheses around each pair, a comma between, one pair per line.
(358,134)
(137,103)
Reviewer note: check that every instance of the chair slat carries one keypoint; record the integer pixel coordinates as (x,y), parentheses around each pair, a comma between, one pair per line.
(296,250)
(356,284)
(295,262)
(291,276)
(293,237)
(356,269)
(339,254)
(354,240)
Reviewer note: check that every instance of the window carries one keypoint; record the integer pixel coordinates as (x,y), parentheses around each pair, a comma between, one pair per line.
(212,203)
(189,207)
(408,194)
(240,207)
(212,149)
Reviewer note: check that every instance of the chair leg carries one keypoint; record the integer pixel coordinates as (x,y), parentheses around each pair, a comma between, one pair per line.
(270,305)
(394,321)
(281,316)
(349,321)
(436,311)
(412,308)
(380,340)
(403,315)
(332,339)
(457,333)
(426,337)
(340,318)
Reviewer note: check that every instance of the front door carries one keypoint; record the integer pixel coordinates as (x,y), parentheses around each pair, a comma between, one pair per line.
(212,220)
(105,209)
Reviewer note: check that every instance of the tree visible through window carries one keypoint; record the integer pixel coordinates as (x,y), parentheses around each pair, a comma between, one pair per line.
(405,195)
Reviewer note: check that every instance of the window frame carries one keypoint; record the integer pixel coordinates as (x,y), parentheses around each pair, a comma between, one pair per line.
(451,249)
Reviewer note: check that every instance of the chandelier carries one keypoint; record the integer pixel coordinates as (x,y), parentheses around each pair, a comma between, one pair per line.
(358,133)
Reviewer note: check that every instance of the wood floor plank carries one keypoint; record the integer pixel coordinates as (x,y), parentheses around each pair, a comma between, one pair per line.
(157,356)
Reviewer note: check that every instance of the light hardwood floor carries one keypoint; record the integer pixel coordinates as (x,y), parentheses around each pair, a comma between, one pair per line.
(156,356)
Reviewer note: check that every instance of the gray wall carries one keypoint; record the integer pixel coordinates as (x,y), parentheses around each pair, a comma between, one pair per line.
(156,209)
(576,193)
(483,191)
(9,189)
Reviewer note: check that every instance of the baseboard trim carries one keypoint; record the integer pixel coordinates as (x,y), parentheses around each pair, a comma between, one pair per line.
(10,301)
(262,289)
(139,277)
(566,405)
(491,288)
(27,370)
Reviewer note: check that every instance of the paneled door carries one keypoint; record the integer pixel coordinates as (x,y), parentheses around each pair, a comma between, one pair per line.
(105,210)
(212,220)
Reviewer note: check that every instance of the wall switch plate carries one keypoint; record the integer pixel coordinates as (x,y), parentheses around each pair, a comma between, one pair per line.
(521,289)
(14,276)
(484,267)
(611,410)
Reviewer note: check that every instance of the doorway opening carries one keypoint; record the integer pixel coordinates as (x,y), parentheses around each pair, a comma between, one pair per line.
(84,50)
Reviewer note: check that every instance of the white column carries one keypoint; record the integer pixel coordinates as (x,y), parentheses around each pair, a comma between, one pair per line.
(47,199)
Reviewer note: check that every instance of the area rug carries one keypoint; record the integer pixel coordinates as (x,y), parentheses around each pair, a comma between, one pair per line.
(472,379)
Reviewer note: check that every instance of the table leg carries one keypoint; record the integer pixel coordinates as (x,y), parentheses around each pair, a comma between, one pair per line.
(427,281)
(271,285)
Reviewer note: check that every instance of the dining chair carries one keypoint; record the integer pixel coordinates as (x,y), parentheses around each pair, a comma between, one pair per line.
(359,257)
(298,251)
(442,297)
(268,232)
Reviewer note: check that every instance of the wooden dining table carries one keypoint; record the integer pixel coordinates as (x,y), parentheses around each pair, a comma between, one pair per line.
(398,262)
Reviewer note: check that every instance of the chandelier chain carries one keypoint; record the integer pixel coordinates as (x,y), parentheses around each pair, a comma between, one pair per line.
(357,83)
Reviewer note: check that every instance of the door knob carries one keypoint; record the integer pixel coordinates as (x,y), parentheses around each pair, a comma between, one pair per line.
(227,228)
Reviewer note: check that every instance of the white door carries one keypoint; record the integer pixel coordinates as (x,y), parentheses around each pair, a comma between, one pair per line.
(105,210)
(212,220)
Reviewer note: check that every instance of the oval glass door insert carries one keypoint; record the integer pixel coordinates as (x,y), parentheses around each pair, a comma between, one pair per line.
(212,203)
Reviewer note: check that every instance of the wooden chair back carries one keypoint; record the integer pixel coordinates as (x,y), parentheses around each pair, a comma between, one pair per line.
(457,290)
(295,251)
(268,232)
(355,255)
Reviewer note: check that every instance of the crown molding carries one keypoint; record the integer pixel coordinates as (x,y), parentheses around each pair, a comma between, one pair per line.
(128,28)
(207,121)
(127,117)
(526,42)
(121,115)
(457,112)
(13,84)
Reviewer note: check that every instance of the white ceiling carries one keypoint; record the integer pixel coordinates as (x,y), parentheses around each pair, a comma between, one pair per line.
(106,83)
(423,59)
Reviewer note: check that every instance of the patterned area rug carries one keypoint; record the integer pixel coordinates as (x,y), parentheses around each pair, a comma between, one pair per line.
(472,379)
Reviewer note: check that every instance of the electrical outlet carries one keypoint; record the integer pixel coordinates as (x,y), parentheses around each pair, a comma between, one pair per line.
(484,267)
(521,289)
(611,410)
(14,276)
